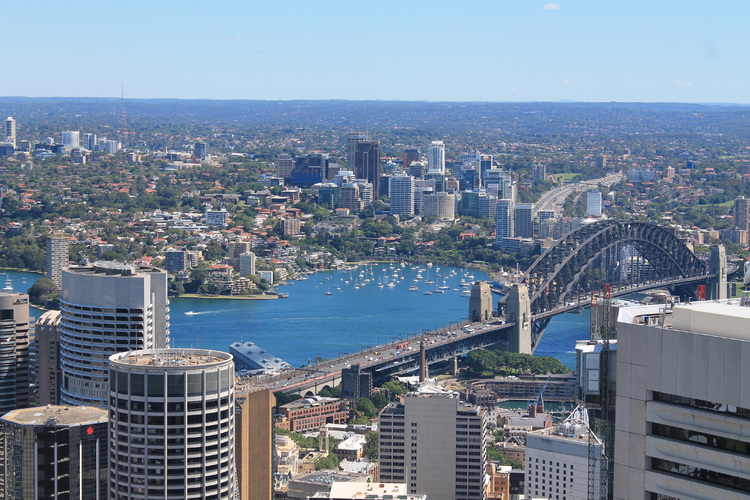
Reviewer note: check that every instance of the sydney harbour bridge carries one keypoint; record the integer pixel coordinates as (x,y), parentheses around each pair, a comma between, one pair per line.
(631,257)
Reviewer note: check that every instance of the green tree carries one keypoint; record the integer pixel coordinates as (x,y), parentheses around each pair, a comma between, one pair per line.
(372,445)
(367,408)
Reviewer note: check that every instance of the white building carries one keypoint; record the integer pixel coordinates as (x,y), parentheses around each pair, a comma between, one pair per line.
(171,425)
(284,165)
(557,460)
(9,130)
(441,205)
(57,257)
(504,223)
(71,139)
(217,217)
(401,192)
(107,308)
(435,444)
(436,157)
(247,264)
(594,202)
(683,400)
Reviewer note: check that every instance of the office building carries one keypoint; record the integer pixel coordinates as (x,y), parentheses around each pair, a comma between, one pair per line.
(504,223)
(524,226)
(200,150)
(176,261)
(71,139)
(349,198)
(440,205)
(284,165)
(540,172)
(107,308)
(683,393)
(594,202)
(254,442)
(355,490)
(367,164)
(328,195)
(355,383)
(57,257)
(172,424)
(421,189)
(309,170)
(557,460)
(485,163)
(436,157)
(247,264)
(410,156)
(352,138)
(46,359)
(88,141)
(56,452)
(218,218)
(14,351)
(434,443)
(742,213)
(401,191)
(510,188)
(416,169)
(9,131)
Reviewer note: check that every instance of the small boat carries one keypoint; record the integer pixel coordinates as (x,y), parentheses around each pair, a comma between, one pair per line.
(329,292)
(391,284)
(413,288)
(356,287)
(428,292)
(190,313)
(439,291)
(283,295)
(466,293)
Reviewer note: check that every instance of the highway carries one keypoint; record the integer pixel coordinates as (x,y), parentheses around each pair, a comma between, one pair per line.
(555,198)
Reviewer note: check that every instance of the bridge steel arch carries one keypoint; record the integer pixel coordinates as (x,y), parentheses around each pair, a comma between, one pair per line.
(552,276)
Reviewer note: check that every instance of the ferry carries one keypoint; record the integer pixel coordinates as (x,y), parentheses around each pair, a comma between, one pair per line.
(190,313)
(428,292)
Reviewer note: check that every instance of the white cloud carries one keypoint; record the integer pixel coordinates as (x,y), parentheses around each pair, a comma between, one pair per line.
(552,6)
(682,84)
(566,82)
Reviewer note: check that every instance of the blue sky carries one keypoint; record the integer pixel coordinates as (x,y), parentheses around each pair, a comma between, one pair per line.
(488,50)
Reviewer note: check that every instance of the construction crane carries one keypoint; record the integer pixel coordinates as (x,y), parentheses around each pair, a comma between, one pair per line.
(539,401)
(84,258)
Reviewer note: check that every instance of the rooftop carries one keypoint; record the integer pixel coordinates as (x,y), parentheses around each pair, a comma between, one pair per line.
(61,416)
(373,491)
(170,357)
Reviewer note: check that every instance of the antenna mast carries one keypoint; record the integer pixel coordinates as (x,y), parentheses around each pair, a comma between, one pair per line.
(123,119)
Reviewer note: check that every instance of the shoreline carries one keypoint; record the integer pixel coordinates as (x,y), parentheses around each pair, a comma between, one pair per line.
(229,297)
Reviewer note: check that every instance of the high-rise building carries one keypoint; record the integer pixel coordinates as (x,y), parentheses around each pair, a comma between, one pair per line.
(310,169)
(172,425)
(524,226)
(88,141)
(435,444)
(284,165)
(247,264)
(510,188)
(254,442)
(107,308)
(485,164)
(401,191)
(742,213)
(421,189)
(683,394)
(410,156)
(46,347)
(441,205)
(367,164)
(200,150)
(594,202)
(557,460)
(436,157)
(14,351)
(57,257)
(416,169)
(540,172)
(504,224)
(175,261)
(71,139)
(352,138)
(55,452)
(9,131)
(217,217)
(349,197)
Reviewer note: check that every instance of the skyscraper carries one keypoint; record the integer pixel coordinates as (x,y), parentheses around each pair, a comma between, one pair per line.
(436,157)
(284,165)
(200,150)
(524,226)
(55,452)
(351,146)
(401,189)
(504,224)
(485,164)
(594,202)
(434,443)
(742,213)
(247,264)
(410,155)
(71,139)
(682,401)
(88,141)
(367,164)
(46,359)
(14,351)
(254,442)
(172,424)
(57,257)
(107,308)
(9,131)
(440,205)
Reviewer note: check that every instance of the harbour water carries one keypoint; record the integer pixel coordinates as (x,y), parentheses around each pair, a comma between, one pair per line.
(312,324)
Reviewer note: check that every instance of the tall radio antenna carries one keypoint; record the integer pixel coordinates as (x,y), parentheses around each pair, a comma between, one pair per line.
(123,118)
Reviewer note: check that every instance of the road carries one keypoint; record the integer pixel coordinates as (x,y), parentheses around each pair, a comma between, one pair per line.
(555,198)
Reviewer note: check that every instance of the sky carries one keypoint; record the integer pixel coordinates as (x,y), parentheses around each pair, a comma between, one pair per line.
(482,50)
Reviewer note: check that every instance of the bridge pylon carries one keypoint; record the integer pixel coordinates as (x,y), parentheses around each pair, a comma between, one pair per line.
(717,287)
(519,312)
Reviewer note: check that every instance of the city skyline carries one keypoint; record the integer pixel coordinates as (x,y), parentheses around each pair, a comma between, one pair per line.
(495,51)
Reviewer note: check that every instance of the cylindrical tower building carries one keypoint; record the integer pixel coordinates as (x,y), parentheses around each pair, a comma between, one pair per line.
(171,425)
(107,308)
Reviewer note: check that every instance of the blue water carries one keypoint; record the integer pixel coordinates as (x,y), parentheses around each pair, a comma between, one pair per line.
(310,323)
